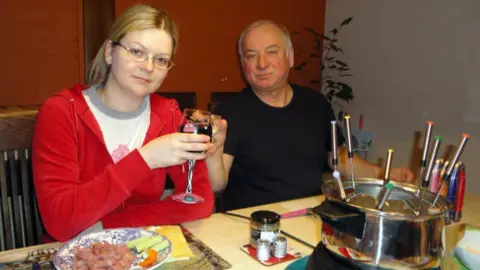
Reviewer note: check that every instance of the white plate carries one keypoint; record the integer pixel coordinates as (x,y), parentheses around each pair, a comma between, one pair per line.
(64,257)
(468,249)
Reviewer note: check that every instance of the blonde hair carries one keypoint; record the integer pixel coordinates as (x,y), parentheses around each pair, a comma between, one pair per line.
(136,18)
(256,24)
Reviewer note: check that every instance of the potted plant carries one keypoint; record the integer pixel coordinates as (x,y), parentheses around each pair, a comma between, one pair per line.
(332,68)
(333,71)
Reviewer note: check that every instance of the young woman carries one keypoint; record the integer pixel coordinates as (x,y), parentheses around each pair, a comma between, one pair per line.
(101,152)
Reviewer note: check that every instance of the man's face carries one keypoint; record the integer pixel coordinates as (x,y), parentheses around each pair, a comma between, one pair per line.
(266,61)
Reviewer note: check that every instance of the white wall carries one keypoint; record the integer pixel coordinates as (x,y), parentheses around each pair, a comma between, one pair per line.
(414,61)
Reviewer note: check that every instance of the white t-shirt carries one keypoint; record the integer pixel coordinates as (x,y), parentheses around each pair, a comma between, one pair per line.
(122,131)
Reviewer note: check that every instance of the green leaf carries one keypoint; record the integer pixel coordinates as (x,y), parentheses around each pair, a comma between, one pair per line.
(337,49)
(325,37)
(345,86)
(300,66)
(316,34)
(330,82)
(311,30)
(346,21)
(329,96)
(345,93)
(341,63)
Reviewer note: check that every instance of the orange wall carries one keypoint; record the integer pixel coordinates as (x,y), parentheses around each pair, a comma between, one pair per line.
(41,49)
(42,44)
(206,59)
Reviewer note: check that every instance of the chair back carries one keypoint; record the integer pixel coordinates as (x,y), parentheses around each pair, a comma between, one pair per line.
(20,222)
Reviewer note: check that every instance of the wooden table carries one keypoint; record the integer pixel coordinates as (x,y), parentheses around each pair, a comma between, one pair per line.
(226,234)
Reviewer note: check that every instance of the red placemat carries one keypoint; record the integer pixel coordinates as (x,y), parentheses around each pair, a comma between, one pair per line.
(252,252)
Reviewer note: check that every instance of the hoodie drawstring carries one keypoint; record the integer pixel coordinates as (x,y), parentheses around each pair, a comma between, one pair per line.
(74,119)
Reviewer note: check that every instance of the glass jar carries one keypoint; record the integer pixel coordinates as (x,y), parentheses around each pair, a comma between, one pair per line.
(264,225)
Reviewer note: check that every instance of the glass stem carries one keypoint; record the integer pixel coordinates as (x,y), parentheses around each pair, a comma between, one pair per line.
(191,165)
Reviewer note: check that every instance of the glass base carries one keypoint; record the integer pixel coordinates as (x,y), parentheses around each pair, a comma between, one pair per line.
(188,198)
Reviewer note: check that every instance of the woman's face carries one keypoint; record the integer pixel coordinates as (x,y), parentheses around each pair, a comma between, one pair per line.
(139,61)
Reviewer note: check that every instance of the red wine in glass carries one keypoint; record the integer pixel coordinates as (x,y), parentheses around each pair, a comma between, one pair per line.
(197,122)
(197,128)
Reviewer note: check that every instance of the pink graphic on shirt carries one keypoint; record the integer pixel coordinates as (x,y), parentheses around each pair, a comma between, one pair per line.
(119,153)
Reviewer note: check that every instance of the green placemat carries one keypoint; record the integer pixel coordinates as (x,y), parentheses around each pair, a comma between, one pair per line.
(299,264)
(38,259)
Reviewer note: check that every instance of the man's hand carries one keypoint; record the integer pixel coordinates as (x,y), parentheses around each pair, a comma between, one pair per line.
(219,137)
(401,175)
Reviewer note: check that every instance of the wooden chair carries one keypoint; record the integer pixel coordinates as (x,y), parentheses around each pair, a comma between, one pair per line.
(20,223)
(184,99)
(218,97)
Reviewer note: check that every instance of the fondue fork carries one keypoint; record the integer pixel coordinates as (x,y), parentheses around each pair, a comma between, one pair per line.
(448,174)
(297,213)
(336,174)
(423,160)
(427,176)
(460,193)
(387,191)
(350,151)
(388,164)
(387,187)
(452,189)
(443,191)
(435,177)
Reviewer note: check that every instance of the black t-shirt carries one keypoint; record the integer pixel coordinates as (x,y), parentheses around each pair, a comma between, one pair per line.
(279,153)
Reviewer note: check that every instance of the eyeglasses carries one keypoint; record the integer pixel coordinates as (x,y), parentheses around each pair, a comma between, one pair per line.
(139,55)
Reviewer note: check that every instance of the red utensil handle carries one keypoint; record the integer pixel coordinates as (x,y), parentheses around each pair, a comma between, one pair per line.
(296,213)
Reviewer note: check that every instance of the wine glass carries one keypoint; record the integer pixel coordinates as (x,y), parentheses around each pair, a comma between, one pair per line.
(197,122)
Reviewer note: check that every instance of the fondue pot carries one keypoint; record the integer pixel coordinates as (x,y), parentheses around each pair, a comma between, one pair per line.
(403,235)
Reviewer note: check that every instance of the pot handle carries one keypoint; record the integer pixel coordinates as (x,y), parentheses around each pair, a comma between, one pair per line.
(342,217)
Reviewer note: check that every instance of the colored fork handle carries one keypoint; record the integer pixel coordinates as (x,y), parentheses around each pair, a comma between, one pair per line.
(296,213)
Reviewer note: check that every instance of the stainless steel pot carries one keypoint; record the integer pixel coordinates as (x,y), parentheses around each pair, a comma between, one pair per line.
(392,238)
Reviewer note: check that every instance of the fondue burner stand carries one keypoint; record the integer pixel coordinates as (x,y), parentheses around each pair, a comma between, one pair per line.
(322,259)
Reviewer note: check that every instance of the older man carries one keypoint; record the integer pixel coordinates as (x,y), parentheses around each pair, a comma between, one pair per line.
(278,139)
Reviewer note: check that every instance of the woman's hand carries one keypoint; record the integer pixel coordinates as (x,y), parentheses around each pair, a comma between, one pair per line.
(174,149)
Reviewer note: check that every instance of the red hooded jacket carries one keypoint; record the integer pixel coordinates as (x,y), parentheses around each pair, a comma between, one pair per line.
(78,184)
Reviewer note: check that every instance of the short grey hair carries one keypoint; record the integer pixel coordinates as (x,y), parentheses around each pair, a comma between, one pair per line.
(256,24)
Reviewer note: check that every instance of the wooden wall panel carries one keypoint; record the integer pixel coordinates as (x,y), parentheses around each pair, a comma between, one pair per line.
(41,49)
(46,42)
(98,17)
(207,56)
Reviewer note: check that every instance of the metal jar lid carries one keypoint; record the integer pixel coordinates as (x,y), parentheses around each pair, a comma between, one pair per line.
(265,217)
